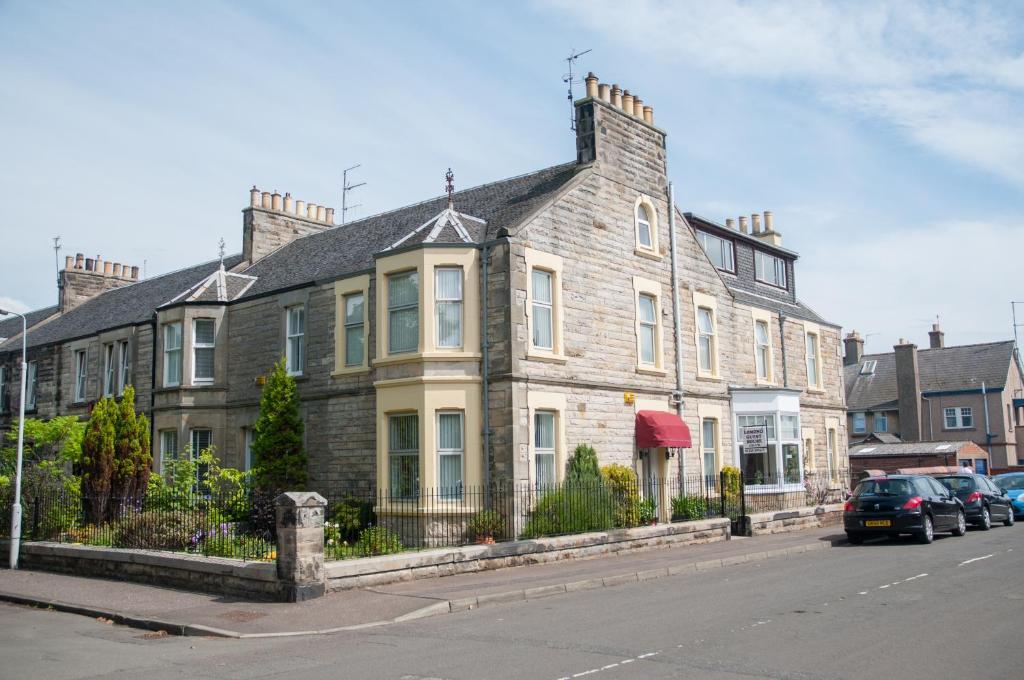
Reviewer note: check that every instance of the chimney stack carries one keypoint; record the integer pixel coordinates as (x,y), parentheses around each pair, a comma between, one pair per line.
(854,348)
(908,391)
(936,338)
(743,224)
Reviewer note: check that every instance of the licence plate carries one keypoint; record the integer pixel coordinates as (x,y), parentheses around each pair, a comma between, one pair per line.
(878,523)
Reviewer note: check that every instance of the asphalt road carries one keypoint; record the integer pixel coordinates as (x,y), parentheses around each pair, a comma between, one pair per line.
(881,610)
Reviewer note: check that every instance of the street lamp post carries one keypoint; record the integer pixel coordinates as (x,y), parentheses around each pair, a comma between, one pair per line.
(16,507)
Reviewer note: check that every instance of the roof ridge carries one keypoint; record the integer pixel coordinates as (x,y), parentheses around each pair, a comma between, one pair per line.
(930,349)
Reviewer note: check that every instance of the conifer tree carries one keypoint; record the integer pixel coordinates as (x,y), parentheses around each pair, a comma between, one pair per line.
(98,459)
(279,460)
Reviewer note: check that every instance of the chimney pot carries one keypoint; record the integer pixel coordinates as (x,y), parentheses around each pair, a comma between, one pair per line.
(311,211)
(604,93)
(98,267)
(755,223)
(254,197)
(289,203)
(79,260)
(275,201)
(135,273)
(108,268)
(649,115)
(321,213)
(769,224)
(626,104)
(117,269)
(616,96)
(330,215)
(730,223)
(69,262)
(591,84)
(89,263)
(266,200)
(300,208)
(743,223)
(638,107)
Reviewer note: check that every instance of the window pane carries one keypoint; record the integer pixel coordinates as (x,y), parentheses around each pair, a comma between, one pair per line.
(791,463)
(403,433)
(545,469)
(204,363)
(544,430)
(790,427)
(354,308)
(541,286)
(647,313)
(643,221)
(542,327)
(354,345)
(297,320)
(761,331)
(403,452)
(451,476)
(449,324)
(403,289)
(449,284)
(204,331)
(704,321)
(449,431)
(295,354)
(403,328)
(705,353)
(647,344)
(172,336)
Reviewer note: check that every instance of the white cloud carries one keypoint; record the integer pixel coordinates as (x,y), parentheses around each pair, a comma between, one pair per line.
(12,305)
(951,77)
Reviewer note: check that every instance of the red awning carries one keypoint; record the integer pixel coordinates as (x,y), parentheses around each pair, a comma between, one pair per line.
(660,428)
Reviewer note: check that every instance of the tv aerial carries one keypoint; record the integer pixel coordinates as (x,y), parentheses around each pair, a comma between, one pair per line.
(570,80)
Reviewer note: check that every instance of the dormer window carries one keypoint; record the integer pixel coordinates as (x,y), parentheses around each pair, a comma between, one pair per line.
(769,269)
(718,250)
(868,367)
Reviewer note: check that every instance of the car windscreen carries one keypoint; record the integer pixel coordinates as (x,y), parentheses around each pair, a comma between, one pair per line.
(1010,482)
(955,484)
(884,487)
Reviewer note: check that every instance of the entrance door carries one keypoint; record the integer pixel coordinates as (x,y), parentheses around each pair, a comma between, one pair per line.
(653,467)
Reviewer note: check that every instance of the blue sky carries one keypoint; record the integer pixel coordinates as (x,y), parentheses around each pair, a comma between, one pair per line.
(887,138)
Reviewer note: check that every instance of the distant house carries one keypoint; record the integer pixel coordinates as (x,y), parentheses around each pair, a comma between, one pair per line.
(965,393)
(895,457)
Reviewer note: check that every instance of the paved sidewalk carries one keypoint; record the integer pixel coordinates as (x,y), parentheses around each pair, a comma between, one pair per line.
(184,613)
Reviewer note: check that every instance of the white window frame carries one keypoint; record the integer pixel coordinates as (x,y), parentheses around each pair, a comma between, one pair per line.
(125,366)
(712,450)
(353,324)
(883,419)
(779,480)
(166,455)
(961,415)
(447,492)
(650,325)
(727,249)
(551,451)
(109,376)
(777,267)
(551,265)
(642,215)
(812,350)
(763,350)
(198,346)
(402,308)
(543,308)
(81,374)
(295,340)
(31,386)
(456,302)
(712,342)
(173,354)
(860,422)
(393,453)
(831,457)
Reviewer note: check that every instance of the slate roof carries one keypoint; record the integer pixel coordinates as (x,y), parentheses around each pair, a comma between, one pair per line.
(908,449)
(796,311)
(350,248)
(10,326)
(131,304)
(963,367)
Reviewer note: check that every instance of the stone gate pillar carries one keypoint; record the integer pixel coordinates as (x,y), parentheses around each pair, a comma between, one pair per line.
(300,545)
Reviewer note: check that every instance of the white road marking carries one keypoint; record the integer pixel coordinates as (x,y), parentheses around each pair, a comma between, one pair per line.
(882,587)
(975,559)
(648,655)
(863,592)
(915,577)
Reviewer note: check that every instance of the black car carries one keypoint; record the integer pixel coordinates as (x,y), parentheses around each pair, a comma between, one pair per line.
(902,504)
(984,502)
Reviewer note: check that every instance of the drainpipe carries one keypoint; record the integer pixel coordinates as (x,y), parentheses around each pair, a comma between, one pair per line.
(782,346)
(152,386)
(931,426)
(988,434)
(485,369)
(677,320)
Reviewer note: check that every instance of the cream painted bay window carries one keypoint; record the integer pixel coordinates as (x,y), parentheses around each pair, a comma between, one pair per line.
(108,370)
(81,365)
(172,354)
(403,312)
(355,329)
(544,449)
(31,386)
(203,350)
(763,350)
(451,453)
(706,337)
(448,306)
(543,312)
(404,455)
(124,377)
(295,339)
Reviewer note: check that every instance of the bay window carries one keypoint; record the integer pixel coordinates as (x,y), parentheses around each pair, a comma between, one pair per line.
(403,312)
(172,354)
(295,339)
(774,456)
(203,350)
(451,453)
(404,455)
(448,306)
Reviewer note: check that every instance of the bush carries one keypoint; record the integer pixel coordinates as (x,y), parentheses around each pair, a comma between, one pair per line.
(648,511)
(279,459)
(689,507)
(156,531)
(486,524)
(583,467)
(731,482)
(622,483)
(572,510)
(350,516)
(378,541)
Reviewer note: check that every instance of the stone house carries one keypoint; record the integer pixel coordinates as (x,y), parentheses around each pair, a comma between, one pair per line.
(962,393)
(480,336)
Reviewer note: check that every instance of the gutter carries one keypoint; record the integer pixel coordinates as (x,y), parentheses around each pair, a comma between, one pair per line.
(676,318)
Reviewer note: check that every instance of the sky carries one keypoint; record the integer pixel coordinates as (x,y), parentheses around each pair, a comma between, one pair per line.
(887,138)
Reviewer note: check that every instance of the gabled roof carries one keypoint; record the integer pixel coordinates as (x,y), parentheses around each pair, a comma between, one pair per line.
(11,326)
(911,449)
(447,227)
(942,369)
(220,286)
(351,248)
(131,304)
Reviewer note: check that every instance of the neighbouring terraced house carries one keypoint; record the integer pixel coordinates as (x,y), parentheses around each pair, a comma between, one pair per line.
(474,337)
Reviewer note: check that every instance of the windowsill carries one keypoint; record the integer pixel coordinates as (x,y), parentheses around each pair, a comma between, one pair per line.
(550,357)
(815,390)
(760,382)
(649,254)
(651,370)
(959,429)
(707,377)
(350,370)
(404,358)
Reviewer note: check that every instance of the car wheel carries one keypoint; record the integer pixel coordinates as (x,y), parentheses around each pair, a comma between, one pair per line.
(1009,518)
(961,524)
(854,539)
(986,519)
(927,533)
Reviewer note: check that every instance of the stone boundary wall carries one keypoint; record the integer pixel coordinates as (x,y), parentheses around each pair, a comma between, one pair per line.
(375,571)
(253,580)
(795,520)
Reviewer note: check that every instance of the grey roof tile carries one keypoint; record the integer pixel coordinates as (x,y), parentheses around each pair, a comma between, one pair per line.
(798,310)
(963,367)
(907,448)
(11,326)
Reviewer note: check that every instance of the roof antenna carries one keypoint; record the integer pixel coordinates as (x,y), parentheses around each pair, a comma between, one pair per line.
(449,187)
(56,257)
(568,79)
(345,188)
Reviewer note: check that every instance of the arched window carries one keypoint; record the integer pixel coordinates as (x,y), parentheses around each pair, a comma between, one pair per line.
(645,219)
(643,226)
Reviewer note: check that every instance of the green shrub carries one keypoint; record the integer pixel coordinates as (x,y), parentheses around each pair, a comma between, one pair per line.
(279,459)
(731,481)
(648,511)
(486,524)
(583,467)
(622,483)
(241,547)
(156,531)
(572,510)
(689,507)
(377,540)
(350,516)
